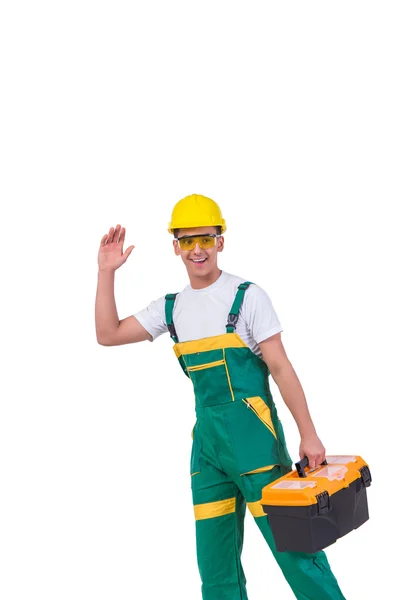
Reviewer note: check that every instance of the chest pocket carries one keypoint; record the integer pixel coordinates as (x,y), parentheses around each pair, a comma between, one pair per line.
(216,363)
(210,376)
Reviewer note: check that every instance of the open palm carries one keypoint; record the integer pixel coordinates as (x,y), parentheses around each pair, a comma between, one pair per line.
(111,255)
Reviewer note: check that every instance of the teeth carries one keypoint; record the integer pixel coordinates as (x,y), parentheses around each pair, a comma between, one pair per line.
(199,260)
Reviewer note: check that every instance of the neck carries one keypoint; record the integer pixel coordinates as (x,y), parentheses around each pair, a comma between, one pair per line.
(198,283)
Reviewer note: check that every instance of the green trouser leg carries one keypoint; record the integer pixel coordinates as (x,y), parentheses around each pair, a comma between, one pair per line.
(219,539)
(220,505)
(309,575)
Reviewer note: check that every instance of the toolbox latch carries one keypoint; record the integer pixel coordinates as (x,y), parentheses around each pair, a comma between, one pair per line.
(366,475)
(323,502)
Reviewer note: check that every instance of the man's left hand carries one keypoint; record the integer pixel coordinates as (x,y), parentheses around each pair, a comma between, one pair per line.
(311,446)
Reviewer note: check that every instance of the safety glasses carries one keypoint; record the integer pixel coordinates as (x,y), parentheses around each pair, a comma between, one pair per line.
(189,242)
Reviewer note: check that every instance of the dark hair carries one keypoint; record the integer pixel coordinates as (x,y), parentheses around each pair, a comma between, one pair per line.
(219,228)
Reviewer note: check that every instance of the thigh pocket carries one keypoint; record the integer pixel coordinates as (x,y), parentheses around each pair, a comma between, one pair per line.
(253,436)
(195,455)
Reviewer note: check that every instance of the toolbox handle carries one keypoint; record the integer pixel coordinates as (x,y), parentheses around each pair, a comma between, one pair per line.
(302,464)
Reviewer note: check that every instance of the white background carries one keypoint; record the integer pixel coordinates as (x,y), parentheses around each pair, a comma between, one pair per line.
(285,113)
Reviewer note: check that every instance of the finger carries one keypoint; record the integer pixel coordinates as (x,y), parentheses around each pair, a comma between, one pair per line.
(116,234)
(128,251)
(103,240)
(311,462)
(122,235)
(110,235)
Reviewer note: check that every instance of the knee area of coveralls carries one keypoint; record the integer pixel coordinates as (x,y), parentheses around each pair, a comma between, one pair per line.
(219,541)
(309,575)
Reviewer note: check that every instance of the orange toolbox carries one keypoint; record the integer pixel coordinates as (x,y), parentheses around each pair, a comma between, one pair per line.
(309,510)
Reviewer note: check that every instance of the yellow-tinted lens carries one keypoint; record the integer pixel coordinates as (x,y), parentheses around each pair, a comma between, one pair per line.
(186,244)
(204,241)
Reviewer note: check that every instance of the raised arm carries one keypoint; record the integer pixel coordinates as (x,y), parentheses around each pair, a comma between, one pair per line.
(110,331)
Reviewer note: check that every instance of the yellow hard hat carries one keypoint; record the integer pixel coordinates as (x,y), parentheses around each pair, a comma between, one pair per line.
(196,211)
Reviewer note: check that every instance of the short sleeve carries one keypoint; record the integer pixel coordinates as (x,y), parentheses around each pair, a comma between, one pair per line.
(259,314)
(152,318)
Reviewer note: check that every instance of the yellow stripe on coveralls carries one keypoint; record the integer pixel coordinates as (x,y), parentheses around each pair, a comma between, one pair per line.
(260,470)
(227,374)
(216,342)
(209,510)
(256,509)
(215,363)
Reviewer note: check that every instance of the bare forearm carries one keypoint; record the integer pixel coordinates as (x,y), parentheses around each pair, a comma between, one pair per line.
(106,315)
(294,398)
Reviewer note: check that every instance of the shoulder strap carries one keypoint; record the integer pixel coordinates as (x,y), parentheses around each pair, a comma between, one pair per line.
(237,303)
(169,307)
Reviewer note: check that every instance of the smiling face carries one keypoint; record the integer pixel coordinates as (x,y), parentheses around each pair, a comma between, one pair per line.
(201,263)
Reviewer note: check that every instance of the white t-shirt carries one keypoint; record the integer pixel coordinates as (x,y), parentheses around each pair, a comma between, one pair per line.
(204,313)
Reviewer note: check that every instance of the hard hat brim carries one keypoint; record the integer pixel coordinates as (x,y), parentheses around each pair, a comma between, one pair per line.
(192,225)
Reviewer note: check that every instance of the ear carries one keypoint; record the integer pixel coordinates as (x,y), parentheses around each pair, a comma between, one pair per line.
(177,250)
(220,244)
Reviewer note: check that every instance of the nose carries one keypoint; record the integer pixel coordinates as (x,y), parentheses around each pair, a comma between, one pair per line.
(197,249)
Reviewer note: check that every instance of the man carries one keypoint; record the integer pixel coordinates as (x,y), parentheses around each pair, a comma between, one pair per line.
(228,341)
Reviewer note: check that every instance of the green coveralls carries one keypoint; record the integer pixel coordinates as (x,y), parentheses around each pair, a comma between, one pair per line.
(238,448)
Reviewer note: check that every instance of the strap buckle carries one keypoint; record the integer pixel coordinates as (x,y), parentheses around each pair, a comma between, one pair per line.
(170,298)
(172,330)
(232,320)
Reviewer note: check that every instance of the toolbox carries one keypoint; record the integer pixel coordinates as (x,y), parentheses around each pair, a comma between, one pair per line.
(309,510)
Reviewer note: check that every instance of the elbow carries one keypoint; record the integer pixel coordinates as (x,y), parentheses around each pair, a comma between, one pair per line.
(279,369)
(103,340)
(107,337)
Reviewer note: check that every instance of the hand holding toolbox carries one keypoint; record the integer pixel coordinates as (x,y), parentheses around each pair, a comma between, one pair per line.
(309,510)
